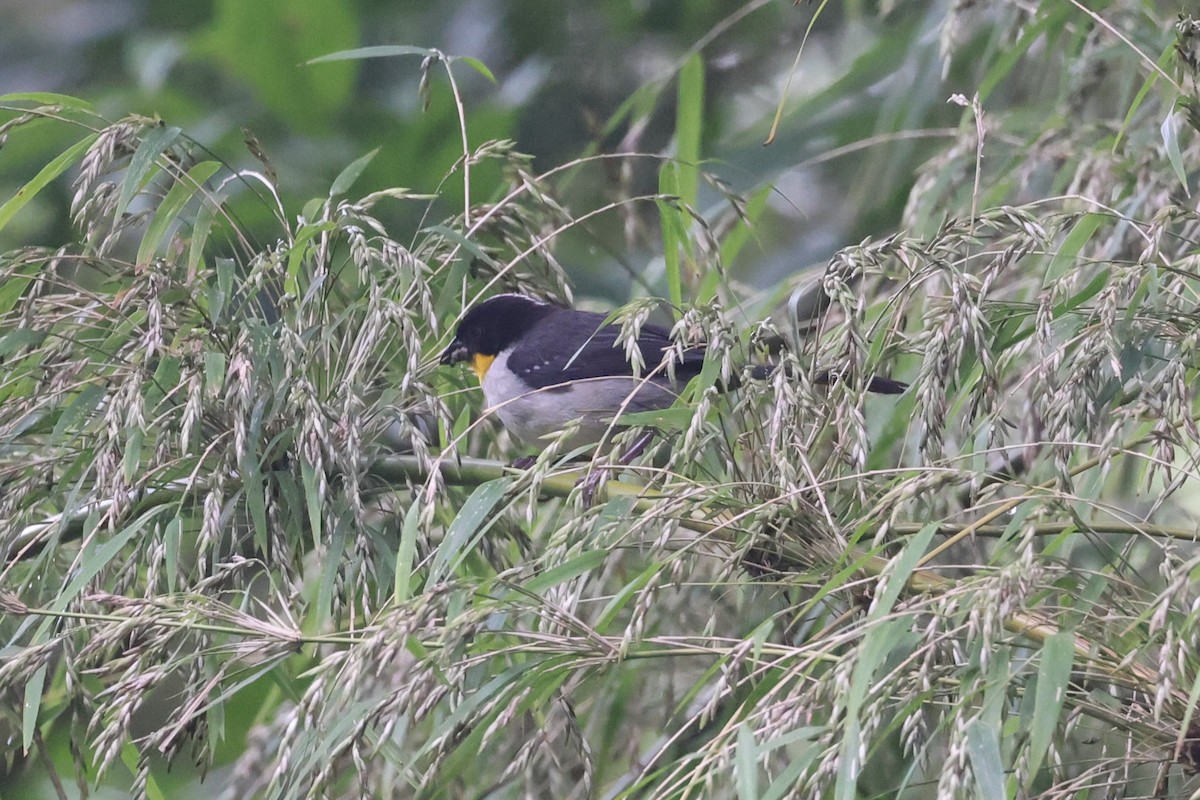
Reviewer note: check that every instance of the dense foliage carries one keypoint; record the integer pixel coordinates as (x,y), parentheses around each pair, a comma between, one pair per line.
(251,526)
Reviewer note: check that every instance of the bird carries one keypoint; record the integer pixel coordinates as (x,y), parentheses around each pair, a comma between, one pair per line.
(545,368)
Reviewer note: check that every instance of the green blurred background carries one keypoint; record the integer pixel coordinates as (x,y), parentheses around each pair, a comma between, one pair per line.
(572,79)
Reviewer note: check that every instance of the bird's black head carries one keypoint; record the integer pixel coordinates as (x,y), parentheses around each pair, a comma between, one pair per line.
(491,327)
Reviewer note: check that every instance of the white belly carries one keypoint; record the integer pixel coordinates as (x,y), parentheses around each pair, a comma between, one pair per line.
(531,414)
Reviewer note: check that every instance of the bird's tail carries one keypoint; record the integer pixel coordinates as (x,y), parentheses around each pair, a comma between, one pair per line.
(877,384)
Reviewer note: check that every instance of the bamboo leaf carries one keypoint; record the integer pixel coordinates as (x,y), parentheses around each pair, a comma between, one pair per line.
(172,538)
(674,231)
(901,569)
(983,750)
(32,706)
(1068,252)
(1050,19)
(579,565)
(312,500)
(478,66)
(48,173)
(14,285)
(350,174)
(48,99)
(747,763)
(80,409)
(131,759)
(468,524)
(201,230)
(168,211)
(689,124)
(138,172)
(96,559)
(1058,653)
(1170,136)
(379,51)
(406,554)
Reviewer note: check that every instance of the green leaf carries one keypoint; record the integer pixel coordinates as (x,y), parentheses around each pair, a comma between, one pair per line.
(674,232)
(625,593)
(1170,136)
(797,764)
(1190,708)
(97,558)
(849,764)
(1054,673)
(1067,255)
(300,254)
(172,537)
(48,99)
(747,763)
(312,500)
(334,556)
(466,525)
(478,66)
(217,291)
(130,757)
(735,240)
(13,287)
(583,563)
(1164,60)
(47,174)
(82,406)
(902,568)
(166,379)
(32,706)
(20,338)
(406,554)
(689,124)
(1083,295)
(668,419)
(874,649)
(983,749)
(467,746)
(350,174)
(131,460)
(378,51)
(214,372)
(167,213)
(468,245)
(150,148)
(201,228)
(254,491)
(881,638)
(1052,18)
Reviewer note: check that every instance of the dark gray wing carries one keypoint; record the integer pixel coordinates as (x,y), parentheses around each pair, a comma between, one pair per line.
(576,346)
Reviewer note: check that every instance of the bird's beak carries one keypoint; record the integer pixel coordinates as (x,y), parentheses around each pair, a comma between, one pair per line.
(456,353)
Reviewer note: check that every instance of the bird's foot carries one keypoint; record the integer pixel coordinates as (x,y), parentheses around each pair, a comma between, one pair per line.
(524,462)
(588,485)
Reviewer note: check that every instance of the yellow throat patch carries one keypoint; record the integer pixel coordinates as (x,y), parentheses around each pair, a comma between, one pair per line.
(480,363)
